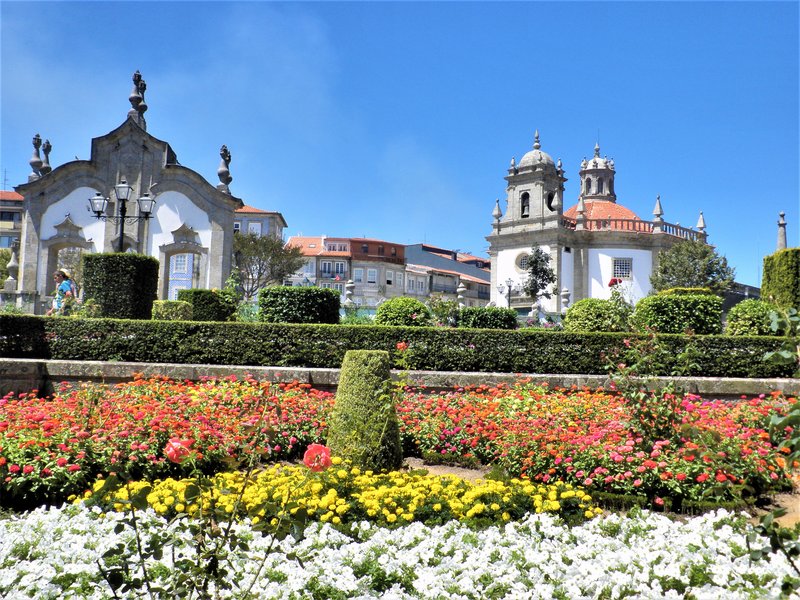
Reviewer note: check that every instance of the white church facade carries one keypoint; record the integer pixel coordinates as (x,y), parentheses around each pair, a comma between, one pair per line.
(189,219)
(592,245)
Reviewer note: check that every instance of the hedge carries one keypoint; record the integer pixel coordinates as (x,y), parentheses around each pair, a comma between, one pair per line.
(781,278)
(123,285)
(676,313)
(487,317)
(283,304)
(324,346)
(207,305)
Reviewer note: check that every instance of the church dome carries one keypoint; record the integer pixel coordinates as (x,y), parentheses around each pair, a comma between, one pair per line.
(597,161)
(536,156)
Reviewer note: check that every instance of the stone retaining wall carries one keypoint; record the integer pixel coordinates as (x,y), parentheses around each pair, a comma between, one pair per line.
(25,375)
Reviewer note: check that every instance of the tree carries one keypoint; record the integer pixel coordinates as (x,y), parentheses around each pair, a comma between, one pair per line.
(5,256)
(263,260)
(540,275)
(692,264)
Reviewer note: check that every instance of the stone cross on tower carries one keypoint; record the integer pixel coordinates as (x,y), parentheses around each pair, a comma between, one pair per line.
(36,160)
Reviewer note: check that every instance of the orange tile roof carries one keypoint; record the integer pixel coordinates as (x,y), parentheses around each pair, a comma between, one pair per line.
(315,246)
(10,195)
(254,210)
(602,209)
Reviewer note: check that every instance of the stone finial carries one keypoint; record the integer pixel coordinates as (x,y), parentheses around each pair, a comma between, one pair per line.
(657,210)
(135,98)
(142,107)
(536,144)
(36,161)
(597,150)
(10,284)
(349,288)
(611,164)
(584,164)
(46,148)
(580,214)
(781,231)
(460,291)
(701,223)
(497,213)
(565,296)
(513,166)
(224,172)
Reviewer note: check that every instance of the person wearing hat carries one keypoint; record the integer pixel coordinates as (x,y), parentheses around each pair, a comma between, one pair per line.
(63,291)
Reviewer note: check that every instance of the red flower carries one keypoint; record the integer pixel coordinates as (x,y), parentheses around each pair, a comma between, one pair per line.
(701,478)
(721,477)
(402,346)
(178,450)
(614,281)
(317,457)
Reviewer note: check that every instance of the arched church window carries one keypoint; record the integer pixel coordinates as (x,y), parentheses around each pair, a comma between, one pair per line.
(588,185)
(525,205)
(610,186)
(550,197)
(599,186)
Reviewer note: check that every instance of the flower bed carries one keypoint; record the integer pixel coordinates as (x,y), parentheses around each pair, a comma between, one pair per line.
(52,448)
(53,553)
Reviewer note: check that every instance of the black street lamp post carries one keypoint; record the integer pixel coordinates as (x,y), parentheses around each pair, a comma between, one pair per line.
(507,289)
(122,192)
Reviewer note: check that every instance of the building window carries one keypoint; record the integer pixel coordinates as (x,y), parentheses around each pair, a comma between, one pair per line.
(410,284)
(326,267)
(522,262)
(342,247)
(327,286)
(330,247)
(400,281)
(338,268)
(394,251)
(237,227)
(358,275)
(380,250)
(254,228)
(175,289)
(599,186)
(588,185)
(623,268)
(365,248)
(179,263)
(372,275)
(526,205)
(339,287)
(309,268)
(6,241)
(389,277)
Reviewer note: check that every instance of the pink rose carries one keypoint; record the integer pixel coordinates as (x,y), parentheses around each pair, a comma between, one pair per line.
(317,457)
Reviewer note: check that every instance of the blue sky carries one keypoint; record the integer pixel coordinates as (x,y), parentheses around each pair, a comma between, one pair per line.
(398,120)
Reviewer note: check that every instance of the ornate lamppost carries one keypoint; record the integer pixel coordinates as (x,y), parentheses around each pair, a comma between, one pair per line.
(122,192)
(509,288)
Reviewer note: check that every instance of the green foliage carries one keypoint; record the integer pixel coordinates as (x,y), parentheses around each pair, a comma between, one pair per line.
(539,274)
(5,256)
(123,285)
(283,304)
(302,345)
(595,314)
(781,280)
(172,310)
(487,317)
(263,260)
(355,315)
(786,323)
(749,317)
(207,305)
(403,312)
(686,291)
(444,311)
(363,424)
(692,264)
(677,313)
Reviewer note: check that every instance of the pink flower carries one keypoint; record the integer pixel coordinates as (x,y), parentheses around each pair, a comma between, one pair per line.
(659,501)
(74,468)
(317,457)
(27,469)
(178,450)
(637,482)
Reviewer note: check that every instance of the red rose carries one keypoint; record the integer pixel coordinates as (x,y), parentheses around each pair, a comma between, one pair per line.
(178,450)
(317,457)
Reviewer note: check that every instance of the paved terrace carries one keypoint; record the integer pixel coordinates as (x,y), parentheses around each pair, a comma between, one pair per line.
(24,375)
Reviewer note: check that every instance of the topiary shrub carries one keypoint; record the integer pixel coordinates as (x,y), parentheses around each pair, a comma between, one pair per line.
(363,424)
(749,317)
(403,312)
(781,279)
(487,317)
(172,310)
(677,313)
(686,291)
(207,305)
(123,285)
(595,314)
(284,304)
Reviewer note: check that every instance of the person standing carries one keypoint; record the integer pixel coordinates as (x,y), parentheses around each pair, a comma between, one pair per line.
(63,291)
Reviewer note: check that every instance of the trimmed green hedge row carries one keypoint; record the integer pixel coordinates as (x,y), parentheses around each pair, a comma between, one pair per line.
(429,348)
